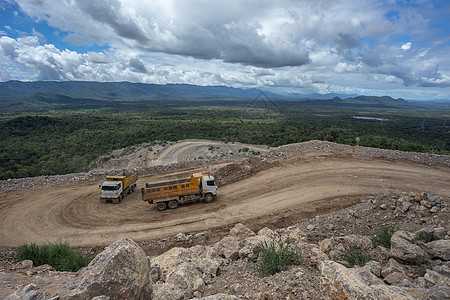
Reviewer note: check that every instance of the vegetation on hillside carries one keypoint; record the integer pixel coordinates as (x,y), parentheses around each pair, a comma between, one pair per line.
(66,138)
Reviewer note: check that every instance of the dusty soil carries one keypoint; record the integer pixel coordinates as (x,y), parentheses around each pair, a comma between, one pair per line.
(295,189)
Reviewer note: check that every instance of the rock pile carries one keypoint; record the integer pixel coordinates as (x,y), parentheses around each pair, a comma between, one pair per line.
(411,268)
(295,150)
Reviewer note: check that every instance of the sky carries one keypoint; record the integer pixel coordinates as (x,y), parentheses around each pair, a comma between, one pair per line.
(398,48)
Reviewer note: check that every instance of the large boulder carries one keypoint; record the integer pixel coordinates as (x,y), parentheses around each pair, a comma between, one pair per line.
(181,271)
(177,257)
(404,246)
(121,271)
(341,283)
(439,249)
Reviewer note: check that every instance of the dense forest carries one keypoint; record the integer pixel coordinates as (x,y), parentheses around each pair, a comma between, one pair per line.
(64,137)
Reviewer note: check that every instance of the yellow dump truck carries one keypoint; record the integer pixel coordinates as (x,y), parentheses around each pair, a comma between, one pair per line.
(116,187)
(200,186)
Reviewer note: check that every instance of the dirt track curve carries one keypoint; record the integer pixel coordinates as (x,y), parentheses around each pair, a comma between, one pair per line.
(308,184)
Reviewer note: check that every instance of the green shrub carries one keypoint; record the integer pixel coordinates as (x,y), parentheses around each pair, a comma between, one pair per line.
(275,255)
(355,256)
(383,236)
(58,255)
(427,237)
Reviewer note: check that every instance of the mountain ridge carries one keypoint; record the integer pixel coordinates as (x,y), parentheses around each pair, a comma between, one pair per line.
(92,91)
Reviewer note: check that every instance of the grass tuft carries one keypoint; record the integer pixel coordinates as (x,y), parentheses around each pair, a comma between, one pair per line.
(383,236)
(355,256)
(58,255)
(274,255)
(427,237)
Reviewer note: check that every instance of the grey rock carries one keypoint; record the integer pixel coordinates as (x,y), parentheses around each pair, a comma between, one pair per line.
(395,277)
(25,264)
(403,247)
(28,292)
(229,247)
(241,232)
(391,267)
(120,271)
(166,291)
(102,297)
(405,206)
(439,249)
(374,267)
(431,277)
(220,297)
(209,267)
(155,273)
(434,209)
(187,278)
(438,292)
(339,282)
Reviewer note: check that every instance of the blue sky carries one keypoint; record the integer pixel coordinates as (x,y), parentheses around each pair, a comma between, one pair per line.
(395,47)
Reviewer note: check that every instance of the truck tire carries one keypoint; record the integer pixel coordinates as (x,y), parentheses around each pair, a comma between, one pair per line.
(209,198)
(120,198)
(161,206)
(173,204)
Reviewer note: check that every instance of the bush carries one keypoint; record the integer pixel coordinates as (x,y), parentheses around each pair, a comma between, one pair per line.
(427,237)
(58,255)
(275,255)
(383,236)
(355,256)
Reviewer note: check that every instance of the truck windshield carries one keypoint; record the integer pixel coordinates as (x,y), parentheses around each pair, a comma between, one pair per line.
(110,187)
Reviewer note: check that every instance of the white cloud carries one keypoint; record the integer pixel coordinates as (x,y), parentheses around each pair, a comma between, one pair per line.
(296,45)
(406,46)
(343,67)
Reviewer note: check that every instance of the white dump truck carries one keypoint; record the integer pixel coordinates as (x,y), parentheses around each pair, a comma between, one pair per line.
(115,188)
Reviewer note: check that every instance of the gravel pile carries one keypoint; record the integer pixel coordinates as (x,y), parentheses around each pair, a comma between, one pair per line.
(294,150)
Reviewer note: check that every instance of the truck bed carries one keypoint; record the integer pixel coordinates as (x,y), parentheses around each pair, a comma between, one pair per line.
(165,183)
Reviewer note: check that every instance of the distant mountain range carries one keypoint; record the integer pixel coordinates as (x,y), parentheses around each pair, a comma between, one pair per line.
(95,93)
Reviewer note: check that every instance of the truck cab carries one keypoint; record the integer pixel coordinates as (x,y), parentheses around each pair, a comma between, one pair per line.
(111,190)
(208,185)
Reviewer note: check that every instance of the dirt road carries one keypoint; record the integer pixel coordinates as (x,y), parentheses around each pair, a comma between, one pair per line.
(304,186)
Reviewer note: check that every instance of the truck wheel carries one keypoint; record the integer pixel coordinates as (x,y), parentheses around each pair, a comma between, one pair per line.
(208,198)
(173,204)
(120,198)
(161,206)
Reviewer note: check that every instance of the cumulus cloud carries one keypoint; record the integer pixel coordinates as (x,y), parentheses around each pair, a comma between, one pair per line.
(299,45)
(255,33)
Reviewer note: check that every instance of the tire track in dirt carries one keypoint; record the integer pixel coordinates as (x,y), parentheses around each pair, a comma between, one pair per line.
(306,184)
